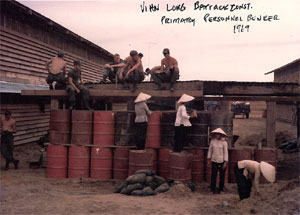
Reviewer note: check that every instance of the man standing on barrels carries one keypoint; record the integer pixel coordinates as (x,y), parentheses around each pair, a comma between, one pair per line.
(75,87)
(245,170)
(8,127)
(168,73)
(57,71)
(142,112)
(217,156)
(182,122)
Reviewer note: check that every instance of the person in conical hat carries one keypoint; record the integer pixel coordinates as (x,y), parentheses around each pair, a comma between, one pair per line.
(142,112)
(217,156)
(182,122)
(246,171)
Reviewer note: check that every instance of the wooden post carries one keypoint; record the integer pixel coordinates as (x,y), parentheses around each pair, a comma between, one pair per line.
(271,124)
(54,104)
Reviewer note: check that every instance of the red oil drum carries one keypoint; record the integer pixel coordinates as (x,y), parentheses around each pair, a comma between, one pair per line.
(182,175)
(60,127)
(138,160)
(79,162)
(153,131)
(154,155)
(180,166)
(163,162)
(236,155)
(198,165)
(101,163)
(268,155)
(120,163)
(104,128)
(56,161)
(82,127)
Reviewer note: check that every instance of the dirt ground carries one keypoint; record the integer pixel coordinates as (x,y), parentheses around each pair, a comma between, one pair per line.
(28,191)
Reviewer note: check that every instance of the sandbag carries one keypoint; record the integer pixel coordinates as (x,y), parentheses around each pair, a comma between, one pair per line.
(138,178)
(153,185)
(120,186)
(162,188)
(148,180)
(148,172)
(147,191)
(159,180)
(132,187)
(137,193)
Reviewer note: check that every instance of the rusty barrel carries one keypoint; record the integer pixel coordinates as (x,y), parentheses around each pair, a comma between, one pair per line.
(138,160)
(236,155)
(198,165)
(104,128)
(197,134)
(101,163)
(154,156)
(60,127)
(163,162)
(153,130)
(79,159)
(82,127)
(120,163)
(268,155)
(180,166)
(124,128)
(57,161)
(167,128)
(224,120)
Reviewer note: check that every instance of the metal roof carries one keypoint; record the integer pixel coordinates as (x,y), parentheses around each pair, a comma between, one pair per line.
(9,87)
(284,66)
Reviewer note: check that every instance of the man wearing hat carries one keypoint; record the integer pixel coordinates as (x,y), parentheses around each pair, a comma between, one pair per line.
(182,122)
(245,170)
(132,71)
(142,112)
(75,87)
(217,156)
(8,127)
(57,71)
(168,73)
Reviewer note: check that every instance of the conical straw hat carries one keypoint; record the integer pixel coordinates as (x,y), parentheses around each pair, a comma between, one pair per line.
(142,97)
(219,131)
(185,98)
(268,171)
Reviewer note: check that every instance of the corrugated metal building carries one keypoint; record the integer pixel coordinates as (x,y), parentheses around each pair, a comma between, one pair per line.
(289,73)
(27,41)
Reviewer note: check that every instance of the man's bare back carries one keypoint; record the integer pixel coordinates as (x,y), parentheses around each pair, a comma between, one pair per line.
(57,65)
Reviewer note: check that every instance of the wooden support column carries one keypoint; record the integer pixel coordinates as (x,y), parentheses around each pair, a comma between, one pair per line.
(54,104)
(271,124)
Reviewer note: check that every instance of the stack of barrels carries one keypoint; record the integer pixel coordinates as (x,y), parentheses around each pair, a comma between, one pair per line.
(97,145)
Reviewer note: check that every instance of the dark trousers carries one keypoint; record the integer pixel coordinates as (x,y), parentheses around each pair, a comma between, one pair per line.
(141,131)
(84,95)
(244,185)
(111,75)
(134,77)
(180,137)
(215,167)
(7,147)
(169,76)
(59,78)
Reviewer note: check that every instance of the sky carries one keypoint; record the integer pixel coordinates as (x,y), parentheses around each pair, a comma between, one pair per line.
(204,48)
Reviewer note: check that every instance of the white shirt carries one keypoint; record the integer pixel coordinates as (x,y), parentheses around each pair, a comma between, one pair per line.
(141,111)
(218,151)
(182,118)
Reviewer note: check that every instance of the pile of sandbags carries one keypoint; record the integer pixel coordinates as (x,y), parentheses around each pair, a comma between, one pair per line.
(142,183)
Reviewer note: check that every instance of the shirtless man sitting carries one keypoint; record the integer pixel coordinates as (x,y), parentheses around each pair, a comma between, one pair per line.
(168,72)
(57,71)
(113,68)
(132,71)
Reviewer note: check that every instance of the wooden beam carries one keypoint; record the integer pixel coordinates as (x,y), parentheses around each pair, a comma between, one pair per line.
(125,94)
(271,124)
